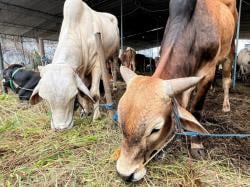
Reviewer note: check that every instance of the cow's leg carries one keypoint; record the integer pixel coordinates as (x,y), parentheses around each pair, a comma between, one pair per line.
(243,73)
(202,89)
(24,95)
(84,101)
(197,149)
(186,97)
(212,88)
(133,65)
(226,79)
(85,105)
(94,90)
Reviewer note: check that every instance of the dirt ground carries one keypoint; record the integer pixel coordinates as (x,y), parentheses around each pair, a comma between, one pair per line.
(236,121)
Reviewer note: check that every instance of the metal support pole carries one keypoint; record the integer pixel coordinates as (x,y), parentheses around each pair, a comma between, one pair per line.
(236,47)
(104,70)
(1,69)
(121,26)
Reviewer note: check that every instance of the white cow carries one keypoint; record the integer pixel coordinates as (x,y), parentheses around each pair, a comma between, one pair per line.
(76,62)
(244,63)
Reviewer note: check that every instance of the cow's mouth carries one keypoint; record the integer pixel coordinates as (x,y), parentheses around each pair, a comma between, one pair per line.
(56,127)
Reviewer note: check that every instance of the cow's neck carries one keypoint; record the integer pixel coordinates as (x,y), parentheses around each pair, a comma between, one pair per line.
(173,65)
(68,52)
(176,58)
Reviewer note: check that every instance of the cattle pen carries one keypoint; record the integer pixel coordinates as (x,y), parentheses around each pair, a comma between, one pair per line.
(31,153)
(34,153)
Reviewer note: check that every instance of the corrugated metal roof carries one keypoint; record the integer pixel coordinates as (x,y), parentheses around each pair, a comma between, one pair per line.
(144,20)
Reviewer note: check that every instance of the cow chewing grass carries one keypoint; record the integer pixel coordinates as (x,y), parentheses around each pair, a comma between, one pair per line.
(31,154)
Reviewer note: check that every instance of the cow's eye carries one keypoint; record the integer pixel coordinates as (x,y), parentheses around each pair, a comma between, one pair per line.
(154,131)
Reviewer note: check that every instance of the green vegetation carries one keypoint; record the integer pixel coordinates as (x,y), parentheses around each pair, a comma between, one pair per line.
(33,155)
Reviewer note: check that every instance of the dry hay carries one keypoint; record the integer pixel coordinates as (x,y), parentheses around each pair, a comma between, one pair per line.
(33,155)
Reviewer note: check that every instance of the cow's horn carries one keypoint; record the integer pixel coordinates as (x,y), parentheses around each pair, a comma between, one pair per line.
(177,86)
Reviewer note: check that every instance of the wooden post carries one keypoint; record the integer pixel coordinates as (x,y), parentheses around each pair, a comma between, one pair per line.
(122,25)
(1,69)
(104,70)
(114,71)
(41,48)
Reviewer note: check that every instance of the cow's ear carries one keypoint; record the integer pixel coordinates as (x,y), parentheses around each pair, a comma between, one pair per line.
(127,74)
(82,87)
(189,122)
(35,98)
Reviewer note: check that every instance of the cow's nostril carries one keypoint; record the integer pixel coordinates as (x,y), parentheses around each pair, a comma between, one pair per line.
(128,178)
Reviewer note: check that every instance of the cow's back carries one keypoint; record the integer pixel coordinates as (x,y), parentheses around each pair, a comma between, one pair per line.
(223,13)
(77,43)
(107,25)
(191,45)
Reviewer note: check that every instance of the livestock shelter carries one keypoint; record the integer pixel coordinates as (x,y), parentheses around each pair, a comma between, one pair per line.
(143,21)
(31,154)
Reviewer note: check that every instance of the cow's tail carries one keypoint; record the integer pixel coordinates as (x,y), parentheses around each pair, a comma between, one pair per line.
(180,13)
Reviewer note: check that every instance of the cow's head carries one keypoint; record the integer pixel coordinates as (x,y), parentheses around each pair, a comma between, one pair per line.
(59,86)
(145,119)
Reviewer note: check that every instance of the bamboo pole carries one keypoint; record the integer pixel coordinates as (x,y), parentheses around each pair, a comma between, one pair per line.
(114,71)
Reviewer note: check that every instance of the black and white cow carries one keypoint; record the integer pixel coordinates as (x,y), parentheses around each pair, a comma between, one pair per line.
(20,81)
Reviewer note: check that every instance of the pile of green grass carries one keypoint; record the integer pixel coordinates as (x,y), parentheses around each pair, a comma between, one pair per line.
(33,155)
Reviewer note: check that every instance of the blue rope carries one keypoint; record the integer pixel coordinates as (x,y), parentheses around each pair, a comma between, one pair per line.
(115,117)
(176,115)
(107,106)
(194,134)
(110,106)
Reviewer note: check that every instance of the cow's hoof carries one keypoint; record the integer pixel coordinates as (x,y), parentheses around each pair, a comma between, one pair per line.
(198,153)
(226,107)
(97,115)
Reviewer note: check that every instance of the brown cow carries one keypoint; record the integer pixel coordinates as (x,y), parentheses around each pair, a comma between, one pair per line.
(198,35)
(128,58)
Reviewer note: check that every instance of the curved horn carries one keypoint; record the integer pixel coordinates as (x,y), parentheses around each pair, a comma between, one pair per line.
(176,86)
